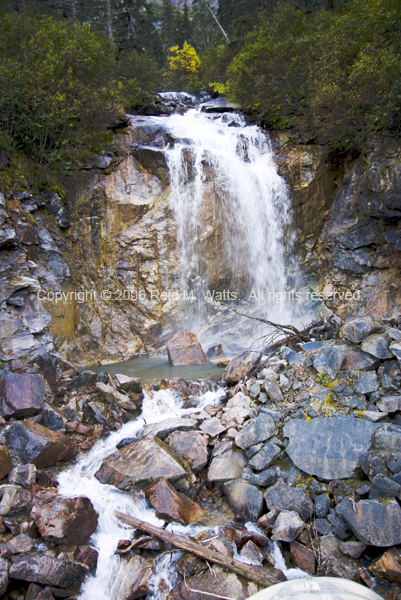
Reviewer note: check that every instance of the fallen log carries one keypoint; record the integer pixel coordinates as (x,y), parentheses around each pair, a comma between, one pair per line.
(259,575)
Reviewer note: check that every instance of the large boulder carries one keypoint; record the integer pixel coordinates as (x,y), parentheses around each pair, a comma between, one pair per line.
(47,570)
(217,583)
(21,395)
(373,522)
(284,497)
(184,349)
(64,520)
(288,526)
(240,365)
(259,430)
(132,581)
(244,498)
(329,360)
(33,443)
(172,506)
(329,448)
(378,345)
(356,330)
(191,446)
(141,463)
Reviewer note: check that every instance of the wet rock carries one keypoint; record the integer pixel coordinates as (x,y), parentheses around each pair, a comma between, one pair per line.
(5,462)
(259,430)
(273,391)
(18,545)
(164,428)
(328,361)
(184,349)
(225,467)
(357,360)
(287,527)
(112,395)
(240,366)
(373,522)
(47,570)
(266,457)
(191,446)
(141,463)
(389,404)
(383,487)
(304,558)
(251,552)
(4,566)
(134,580)
(367,383)
(322,505)
(284,497)
(356,330)
(244,498)
(86,555)
(328,448)
(378,345)
(21,395)
(172,506)
(267,521)
(333,561)
(212,427)
(388,566)
(13,499)
(217,582)
(352,549)
(128,384)
(64,520)
(33,443)
(53,419)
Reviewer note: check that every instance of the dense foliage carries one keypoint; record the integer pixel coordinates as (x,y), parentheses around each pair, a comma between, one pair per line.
(336,73)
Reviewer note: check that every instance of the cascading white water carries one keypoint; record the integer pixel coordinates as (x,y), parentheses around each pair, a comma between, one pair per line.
(224,183)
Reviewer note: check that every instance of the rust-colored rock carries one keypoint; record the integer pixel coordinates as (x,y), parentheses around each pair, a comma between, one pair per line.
(240,365)
(21,395)
(5,462)
(388,566)
(33,443)
(64,520)
(172,506)
(86,555)
(184,349)
(303,557)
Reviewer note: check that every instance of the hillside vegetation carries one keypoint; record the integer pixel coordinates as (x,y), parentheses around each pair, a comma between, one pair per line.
(329,68)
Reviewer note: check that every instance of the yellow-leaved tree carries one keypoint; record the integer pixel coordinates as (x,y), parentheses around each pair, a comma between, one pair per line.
(183,64)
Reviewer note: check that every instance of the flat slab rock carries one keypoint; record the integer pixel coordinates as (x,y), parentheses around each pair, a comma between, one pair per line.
(259,430)
(191,446)
(244,498)
(373,522)
(164,428)
(217,582)
(329,448)
(184,349)
(281,496)
(33,443)
(21,395)
(226,466)
(141,463)
(64,520)
(47,570)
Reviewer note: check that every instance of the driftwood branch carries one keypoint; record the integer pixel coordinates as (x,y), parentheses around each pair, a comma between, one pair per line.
(283,328)
(259,575)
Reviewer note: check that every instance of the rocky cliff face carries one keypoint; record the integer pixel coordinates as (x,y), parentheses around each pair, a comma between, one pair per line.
(117,235)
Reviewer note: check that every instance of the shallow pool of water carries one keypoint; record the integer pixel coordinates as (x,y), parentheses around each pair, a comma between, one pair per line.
(155,368)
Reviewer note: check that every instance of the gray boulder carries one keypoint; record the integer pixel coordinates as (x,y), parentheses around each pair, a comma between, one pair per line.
(284,497)
(128,384)
(389,404)
(164,428)
(293,358)
(367,383)
(329,448)
(356,330)
(383,487)
(388,438)
(322,505)
(358,360)
(352,549)
(259,430)
(225,467)
(378,345)
(373,522)
(328,361)
(287,526)
(266,457)
(396,350)
(244,498)
(191,446)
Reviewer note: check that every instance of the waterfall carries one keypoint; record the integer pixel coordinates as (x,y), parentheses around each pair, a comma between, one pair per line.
(232,211)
